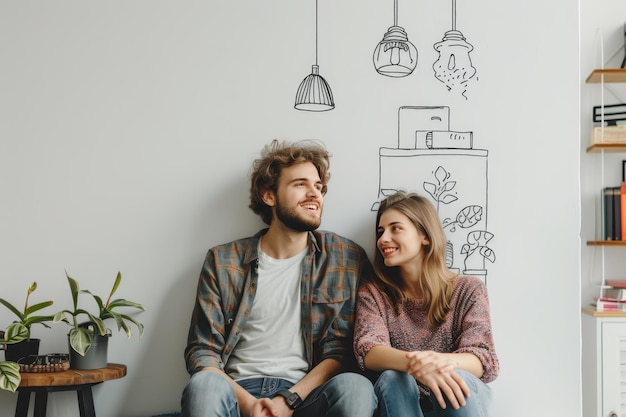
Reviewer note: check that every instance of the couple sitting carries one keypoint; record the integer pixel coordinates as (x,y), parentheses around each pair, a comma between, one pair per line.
(289,321)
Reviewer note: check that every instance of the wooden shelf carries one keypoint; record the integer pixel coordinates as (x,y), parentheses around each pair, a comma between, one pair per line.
(608,147)
(613,75)
(72,377)
(592,312)
(606,242)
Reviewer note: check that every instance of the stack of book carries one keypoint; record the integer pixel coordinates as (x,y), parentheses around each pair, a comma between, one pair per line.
(614,212)
(613,297)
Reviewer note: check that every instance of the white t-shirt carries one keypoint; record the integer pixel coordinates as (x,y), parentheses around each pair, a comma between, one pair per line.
(271,342)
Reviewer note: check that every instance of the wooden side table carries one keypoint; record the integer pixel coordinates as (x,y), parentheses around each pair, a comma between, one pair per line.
(79,380)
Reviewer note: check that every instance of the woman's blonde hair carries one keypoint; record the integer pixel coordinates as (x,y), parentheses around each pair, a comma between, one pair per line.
(435,280)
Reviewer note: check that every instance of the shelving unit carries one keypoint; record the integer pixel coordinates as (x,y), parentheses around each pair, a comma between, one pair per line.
(604,332)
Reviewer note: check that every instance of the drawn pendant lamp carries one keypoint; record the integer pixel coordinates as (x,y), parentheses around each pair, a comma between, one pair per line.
(395,56)
(454,67)
(314,93)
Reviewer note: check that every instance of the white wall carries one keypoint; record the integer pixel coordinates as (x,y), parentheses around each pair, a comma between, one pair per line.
(127,130)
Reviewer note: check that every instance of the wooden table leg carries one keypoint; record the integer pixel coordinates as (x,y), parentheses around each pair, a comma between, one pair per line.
(23,398)
(85,401)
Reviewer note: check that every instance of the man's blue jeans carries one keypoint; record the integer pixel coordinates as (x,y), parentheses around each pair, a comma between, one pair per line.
(399,396)
(209,394)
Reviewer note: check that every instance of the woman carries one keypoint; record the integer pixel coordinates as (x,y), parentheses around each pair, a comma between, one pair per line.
(425,329)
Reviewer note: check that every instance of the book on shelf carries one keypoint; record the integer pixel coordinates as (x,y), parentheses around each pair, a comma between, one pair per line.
(617,214)
(614,294)
(616,283)
(623,207)
(607,211)
(604,304)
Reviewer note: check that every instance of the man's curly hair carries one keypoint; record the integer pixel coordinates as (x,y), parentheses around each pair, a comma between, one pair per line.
(278,155)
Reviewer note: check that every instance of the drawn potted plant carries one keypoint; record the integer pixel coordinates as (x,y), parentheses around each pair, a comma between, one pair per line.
(476,251)
(10,370)
(441,192)
(88,336)
(25,319)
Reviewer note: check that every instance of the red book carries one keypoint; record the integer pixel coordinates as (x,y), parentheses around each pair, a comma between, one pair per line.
(616,283)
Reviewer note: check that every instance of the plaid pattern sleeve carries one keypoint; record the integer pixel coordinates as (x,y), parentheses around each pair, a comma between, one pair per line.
(219,296)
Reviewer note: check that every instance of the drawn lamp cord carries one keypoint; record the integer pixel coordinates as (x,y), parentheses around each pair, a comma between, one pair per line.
(395,56)
(454,65)
(314,93)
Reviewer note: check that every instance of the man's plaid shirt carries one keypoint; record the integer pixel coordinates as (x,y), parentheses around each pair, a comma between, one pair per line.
(331,271)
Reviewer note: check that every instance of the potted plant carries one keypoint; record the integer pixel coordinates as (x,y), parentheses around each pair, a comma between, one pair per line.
(88,336)
(25,319)
(9,370)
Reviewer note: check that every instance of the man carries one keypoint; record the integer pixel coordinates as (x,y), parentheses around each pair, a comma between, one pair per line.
(272,326)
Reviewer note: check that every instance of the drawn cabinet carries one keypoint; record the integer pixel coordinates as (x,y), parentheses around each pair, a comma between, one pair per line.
(604,379)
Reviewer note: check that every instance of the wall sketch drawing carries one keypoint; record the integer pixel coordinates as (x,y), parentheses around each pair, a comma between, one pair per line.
(454,66)
(395,56)
(314,93)
(441,164)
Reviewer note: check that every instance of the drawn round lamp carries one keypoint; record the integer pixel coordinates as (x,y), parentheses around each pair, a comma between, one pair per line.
(395,56)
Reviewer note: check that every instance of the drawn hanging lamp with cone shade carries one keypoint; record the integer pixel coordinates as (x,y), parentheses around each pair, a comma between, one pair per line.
(395,56)
(314,93)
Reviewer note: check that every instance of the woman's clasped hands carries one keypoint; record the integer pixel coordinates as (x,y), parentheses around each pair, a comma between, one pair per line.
(436,371)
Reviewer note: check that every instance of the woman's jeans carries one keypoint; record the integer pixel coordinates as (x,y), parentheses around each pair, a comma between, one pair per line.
(399,396)
(209,394)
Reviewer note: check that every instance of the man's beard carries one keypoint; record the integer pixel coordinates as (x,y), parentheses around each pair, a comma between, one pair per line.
(292,220)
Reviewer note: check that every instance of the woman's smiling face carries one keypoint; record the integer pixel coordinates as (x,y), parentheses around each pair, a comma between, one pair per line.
(399,241)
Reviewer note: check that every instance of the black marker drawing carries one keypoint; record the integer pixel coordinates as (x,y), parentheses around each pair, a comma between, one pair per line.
(454,66)
(395,56)
(314,93)
(441,164)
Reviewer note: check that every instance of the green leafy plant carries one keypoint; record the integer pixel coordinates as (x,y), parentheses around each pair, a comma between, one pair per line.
(26,317)
(85,323)
(10,371)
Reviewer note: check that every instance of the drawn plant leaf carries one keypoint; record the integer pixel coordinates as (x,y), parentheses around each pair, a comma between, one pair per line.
(441,174)
(431,189)
(488,254)
(449,185)
(448,198)
(469,216)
